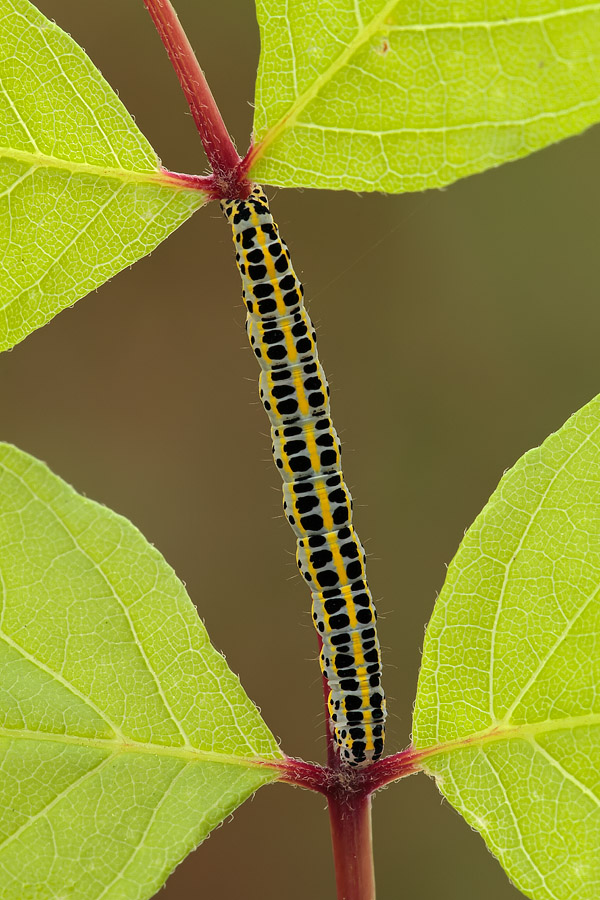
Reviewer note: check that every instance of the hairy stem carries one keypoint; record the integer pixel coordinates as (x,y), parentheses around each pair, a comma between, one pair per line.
(221,153)
(350,820)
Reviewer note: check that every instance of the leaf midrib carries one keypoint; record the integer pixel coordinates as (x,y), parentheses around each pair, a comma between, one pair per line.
(501,732)
(287,120)
(42,161)
(115,747)
(494,734)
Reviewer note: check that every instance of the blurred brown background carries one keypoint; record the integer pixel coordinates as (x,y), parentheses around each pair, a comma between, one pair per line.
(458,329)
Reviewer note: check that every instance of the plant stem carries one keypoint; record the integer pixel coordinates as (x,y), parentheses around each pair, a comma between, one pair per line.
(350,820)
(348,791)
(327,779)
(225,162)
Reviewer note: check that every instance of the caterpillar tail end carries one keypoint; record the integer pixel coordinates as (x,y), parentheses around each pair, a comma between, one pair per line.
(359,743)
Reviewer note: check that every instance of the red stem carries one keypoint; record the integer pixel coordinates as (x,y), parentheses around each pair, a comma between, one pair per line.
(229,179)
(350,820)
(348,793)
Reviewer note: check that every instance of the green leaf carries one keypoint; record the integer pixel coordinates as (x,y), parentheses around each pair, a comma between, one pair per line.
(508,703)
(81,192)
(401,96)
(124,737)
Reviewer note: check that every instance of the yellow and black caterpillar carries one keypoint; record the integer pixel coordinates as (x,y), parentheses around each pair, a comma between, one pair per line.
(317,503)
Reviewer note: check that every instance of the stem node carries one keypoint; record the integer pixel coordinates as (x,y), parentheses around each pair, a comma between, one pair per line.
(229,170)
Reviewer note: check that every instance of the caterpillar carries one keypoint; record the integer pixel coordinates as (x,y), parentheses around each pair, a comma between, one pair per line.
(316,501)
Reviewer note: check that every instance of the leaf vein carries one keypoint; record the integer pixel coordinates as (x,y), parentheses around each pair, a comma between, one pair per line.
(111,588)
(565,773)
(532,518)
(42,813)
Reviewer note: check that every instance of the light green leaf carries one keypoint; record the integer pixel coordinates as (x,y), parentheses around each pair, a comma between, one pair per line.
(81,192)
(124,736)
(401,96)
(508,704)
